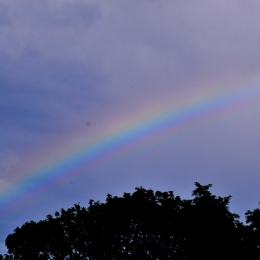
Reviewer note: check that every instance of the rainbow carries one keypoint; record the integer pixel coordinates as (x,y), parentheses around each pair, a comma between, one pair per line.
(154,122)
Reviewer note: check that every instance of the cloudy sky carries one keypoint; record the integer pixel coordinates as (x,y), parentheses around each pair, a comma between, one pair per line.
(81,74)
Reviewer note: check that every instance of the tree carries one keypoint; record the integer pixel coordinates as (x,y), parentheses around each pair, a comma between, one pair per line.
(252,237)
(209,228)
(141,225)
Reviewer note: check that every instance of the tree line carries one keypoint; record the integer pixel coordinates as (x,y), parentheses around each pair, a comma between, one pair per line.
(146,224)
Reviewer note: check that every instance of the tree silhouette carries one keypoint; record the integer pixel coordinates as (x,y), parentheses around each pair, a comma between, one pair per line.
(209,228)
(141,225)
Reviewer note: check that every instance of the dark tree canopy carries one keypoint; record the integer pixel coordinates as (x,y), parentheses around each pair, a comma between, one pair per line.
(141,225)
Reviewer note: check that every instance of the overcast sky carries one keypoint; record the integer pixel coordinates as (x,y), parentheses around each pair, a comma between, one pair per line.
(73,70)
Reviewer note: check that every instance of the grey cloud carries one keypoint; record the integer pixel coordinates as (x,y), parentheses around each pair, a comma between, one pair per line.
(139,46)
(64,63)
(4,15)
(48,13)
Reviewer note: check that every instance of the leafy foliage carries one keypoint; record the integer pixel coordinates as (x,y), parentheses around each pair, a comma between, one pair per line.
(141,225)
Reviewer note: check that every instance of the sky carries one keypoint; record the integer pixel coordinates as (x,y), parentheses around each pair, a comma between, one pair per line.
(100,97)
